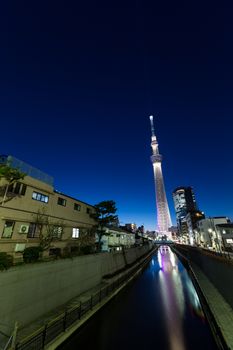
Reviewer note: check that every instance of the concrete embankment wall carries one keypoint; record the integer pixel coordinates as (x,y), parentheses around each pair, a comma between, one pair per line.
(218,269)
(30,291)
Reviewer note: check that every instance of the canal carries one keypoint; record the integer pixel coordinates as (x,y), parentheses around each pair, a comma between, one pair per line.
(159,310)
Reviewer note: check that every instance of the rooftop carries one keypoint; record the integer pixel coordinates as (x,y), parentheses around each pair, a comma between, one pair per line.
(27,169)
(75,199)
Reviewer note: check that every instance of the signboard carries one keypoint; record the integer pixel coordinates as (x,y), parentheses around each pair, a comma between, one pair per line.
(229,240)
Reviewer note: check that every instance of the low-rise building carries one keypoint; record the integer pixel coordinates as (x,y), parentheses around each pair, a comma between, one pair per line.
(174,232)
(226,233)
(28,207)
(192,219)
(116,238)
(207,234)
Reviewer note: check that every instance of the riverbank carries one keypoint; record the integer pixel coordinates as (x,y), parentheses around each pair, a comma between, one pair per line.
(218,311)
(160,309)
(67,319)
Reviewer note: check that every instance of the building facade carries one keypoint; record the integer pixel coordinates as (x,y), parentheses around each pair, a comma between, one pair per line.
(116,239)
(192,219)
(130,227)
(163,213)
(30,206)
(207,233)
(185,203)
(226,232)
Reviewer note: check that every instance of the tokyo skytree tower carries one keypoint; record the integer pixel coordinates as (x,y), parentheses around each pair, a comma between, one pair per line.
(163,213)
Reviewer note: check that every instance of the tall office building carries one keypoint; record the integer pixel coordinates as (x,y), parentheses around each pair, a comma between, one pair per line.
(163,213)
(184,202)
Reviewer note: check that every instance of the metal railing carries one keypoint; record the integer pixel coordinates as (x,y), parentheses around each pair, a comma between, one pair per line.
(54,328)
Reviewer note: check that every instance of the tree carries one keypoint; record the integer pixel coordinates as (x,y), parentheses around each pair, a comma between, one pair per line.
(10,175)
(85,244)
(104,215)
(48,231)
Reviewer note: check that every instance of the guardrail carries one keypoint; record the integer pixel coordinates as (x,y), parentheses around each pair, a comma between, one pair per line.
(53,329)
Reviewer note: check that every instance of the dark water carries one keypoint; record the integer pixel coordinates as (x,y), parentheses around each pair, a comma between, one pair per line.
(159,310)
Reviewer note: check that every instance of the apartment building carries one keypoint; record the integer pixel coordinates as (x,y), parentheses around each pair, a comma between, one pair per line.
(116,238)
(26,204)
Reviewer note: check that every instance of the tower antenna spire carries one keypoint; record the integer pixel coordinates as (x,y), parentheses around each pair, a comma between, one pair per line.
(163,213)
(152,125)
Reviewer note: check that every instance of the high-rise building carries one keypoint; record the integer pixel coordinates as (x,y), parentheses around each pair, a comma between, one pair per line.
(185,203)
(163,213)
(192,219)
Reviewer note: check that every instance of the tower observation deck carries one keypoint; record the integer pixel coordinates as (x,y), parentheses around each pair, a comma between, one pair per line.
(163,213)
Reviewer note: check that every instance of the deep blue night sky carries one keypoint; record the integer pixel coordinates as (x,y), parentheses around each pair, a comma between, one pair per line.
(78,84)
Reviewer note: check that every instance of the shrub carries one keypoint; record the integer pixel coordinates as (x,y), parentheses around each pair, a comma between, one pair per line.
(6,261)
(55,252)
(75,250)
(88,249)
(31,254)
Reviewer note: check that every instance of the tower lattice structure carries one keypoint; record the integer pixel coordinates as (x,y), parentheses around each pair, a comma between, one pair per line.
(163,213)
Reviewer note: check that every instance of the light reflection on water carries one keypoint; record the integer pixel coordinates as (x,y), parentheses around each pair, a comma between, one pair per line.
(171,286)
(159,310)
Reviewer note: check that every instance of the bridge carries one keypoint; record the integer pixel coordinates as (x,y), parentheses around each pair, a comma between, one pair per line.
(164,242)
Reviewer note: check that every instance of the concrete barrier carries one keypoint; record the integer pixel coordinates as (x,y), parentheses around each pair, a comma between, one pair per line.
(218,269)
(30,291)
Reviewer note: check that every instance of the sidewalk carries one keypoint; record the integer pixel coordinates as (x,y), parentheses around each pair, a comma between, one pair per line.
(221,310)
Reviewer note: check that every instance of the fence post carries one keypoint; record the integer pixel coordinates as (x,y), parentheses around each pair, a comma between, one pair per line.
(64,321)
(91,302)
(44,336)
(80,310)
(12,339)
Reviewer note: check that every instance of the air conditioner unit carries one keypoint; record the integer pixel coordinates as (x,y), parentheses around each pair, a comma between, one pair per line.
(24,228)
(19,247)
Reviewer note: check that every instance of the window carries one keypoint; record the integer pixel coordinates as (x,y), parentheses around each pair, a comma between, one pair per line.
(40,197)
(61,201)
(17,188)
(8,229)
(77,206)
(57,232)
(23,190)
(75,232)
(34,230)
(88,210)
(10,188)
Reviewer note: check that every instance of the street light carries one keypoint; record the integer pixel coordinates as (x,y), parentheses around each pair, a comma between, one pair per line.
(210,231)
(216,240)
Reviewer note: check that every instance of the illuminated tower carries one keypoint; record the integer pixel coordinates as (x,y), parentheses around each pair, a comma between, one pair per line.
(163,213)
